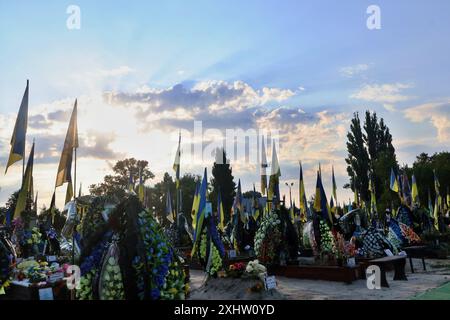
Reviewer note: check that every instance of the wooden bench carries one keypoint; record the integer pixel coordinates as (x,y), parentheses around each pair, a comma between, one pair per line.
(418,252)
(398,262)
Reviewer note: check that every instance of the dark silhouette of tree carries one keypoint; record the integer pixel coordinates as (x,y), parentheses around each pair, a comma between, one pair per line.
(222,177)
(116,185)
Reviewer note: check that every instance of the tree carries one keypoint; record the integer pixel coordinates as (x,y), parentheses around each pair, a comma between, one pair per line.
(357,159)
(249,194)
(158,193)
(423,171)
(115,185)
(223,179)
(371,155)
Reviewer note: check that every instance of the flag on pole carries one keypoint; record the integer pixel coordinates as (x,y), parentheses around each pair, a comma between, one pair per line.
(36,201)
(238,201)
(394,183)
(430,203)
(52,208)
(176,164)
(256,209)
(292,212)
(169,210)
(141,187)
(201,212)
(302,196)
(274,183)
(263,168)
(195,204)
(69,193)
(406,191)
(70,143)
(436,214)
(24,193)
(333,182)
(220,213)
(414,190)
(20,131)
(320,200)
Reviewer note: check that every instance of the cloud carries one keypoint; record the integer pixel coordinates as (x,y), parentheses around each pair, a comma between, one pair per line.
(438,114)
(351,71)
(59,115)
(386,94)
(225,103)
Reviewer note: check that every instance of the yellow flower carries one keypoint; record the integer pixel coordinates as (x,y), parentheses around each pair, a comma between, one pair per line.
(173,290)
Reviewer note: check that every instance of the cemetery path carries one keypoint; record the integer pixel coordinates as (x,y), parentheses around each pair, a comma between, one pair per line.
(435,282)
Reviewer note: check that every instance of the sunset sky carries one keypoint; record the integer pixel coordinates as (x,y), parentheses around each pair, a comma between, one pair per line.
(144,70)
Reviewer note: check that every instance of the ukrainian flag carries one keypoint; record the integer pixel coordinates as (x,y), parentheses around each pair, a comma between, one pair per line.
(220,212)
(201,212)
(394,183)
(25,190)
(320,200)
(20,131)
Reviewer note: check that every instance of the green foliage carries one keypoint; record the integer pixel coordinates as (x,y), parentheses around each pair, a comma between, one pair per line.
(117,184)
(371,155)
(423,171)
(158,193)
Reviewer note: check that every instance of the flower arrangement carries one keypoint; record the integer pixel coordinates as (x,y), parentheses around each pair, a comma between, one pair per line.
(89,268)
(161,264)
(327,245)
(111,282)
(350,248)
(5,270)
(215,265)
(256,269)
(236,270)
(268,238)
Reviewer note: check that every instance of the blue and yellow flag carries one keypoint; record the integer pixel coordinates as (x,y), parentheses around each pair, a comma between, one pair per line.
(414,190)
(302,197)
(195,203)
(69,192)
(20,132)
(25,190)
(394,182)
(141,192)
(320,201)
(256,209)
(220,212)
(201,212)
(70,143)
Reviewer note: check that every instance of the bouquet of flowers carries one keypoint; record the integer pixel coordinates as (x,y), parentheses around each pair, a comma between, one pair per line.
(268,238)
(89,268)
(214,263)
(255,269)
(5,270)
(111,283)
(327,245)
(236,270)
(166,277)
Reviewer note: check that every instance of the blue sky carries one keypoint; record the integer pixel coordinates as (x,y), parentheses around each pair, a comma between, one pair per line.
(319,55)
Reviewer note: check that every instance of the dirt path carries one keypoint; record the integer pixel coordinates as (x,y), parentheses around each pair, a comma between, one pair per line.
(437,274)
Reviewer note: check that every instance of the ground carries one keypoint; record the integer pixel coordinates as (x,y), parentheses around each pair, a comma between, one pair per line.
(431,284)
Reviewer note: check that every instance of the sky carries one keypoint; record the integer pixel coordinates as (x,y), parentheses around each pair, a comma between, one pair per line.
(143,71)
